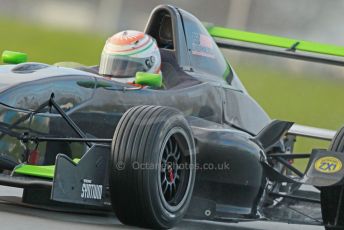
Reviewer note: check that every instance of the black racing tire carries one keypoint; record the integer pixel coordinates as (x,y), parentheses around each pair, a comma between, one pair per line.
(330,195)
(148,186)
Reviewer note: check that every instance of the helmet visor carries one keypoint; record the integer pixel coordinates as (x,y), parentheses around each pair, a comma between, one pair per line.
(121,66)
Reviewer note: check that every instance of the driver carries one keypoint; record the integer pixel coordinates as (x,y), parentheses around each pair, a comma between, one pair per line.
(127,53)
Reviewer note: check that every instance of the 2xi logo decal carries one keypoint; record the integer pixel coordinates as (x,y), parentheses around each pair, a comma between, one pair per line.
(328,165)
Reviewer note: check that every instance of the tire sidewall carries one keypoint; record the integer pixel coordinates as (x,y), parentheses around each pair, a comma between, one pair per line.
(162,210)
(329,195)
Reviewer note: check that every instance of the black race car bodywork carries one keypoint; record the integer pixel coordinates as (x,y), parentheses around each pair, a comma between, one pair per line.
(233,135)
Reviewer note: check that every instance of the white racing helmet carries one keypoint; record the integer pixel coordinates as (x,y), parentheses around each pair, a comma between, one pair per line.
(128,52)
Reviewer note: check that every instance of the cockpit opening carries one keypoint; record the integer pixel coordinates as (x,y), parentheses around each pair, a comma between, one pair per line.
(160,27)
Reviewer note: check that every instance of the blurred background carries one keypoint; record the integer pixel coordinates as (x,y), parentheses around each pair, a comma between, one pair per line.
(311,94)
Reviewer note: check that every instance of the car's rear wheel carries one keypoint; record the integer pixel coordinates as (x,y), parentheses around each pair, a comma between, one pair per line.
(152,169)
(331,206)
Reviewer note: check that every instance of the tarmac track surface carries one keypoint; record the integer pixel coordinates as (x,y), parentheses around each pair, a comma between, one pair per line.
(14,216)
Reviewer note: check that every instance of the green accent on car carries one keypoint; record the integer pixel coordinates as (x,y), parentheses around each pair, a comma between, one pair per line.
(270,40)
(44,171)
(149,79)
(12,57)
(76,160)
(226,73)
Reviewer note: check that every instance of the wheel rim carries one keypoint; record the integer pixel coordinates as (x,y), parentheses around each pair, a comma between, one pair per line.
(175,171)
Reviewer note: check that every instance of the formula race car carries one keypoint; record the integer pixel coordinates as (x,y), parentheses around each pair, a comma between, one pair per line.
(199,146)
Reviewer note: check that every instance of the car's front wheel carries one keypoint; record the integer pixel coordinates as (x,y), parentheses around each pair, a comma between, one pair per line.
(332,205)
(152,169)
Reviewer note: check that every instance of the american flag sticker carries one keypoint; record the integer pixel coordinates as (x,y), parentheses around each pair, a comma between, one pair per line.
(205,41)
(202,45)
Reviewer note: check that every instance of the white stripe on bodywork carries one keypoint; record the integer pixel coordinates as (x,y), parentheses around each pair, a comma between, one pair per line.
(312,132)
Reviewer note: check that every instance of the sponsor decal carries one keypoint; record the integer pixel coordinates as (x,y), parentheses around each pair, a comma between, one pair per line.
(91,191)
(328,165)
